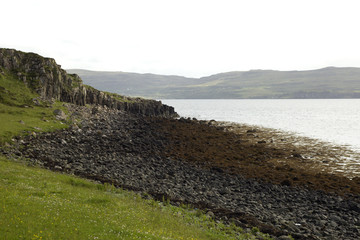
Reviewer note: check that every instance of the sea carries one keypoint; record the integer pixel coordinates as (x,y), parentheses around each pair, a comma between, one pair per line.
(335,121)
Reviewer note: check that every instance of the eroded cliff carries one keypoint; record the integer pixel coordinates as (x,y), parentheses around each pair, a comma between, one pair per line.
(47,78)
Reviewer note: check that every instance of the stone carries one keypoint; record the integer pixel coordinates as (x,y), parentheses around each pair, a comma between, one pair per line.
(59,114)
(286,182)
(251,131)
(210,214)
(297,155)
(36,101)
(58,168)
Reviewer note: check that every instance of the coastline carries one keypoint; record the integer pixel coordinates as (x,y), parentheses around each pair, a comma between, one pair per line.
(319,156)
(232,176)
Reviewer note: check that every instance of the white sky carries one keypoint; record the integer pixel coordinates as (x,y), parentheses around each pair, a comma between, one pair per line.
(192,38)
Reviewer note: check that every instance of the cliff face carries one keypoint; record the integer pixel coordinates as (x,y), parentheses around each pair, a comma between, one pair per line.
(49,80)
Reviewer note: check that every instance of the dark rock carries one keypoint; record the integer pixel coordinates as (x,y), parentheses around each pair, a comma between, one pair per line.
(59,114)
(286,183)
(297,155)
(251,131)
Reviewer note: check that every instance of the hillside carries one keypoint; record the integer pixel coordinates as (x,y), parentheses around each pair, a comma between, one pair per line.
(328,82)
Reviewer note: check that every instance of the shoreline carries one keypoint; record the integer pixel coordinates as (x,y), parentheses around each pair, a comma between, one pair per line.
(329,121)
(231,176)
(325,157)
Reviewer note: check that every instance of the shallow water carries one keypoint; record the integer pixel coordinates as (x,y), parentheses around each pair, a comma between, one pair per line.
(335,121)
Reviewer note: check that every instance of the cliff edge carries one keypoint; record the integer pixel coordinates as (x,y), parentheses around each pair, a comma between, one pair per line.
(50,81)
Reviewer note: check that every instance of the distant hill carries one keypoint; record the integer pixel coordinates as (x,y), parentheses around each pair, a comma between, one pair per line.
(330,82)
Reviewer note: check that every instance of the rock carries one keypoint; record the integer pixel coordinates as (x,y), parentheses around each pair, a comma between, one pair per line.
(297,155)
(251,131)
(22,122)
(286,182)
(333,224)
(59,114)
(95,110)
(210,214)
(58,168)
(36,101)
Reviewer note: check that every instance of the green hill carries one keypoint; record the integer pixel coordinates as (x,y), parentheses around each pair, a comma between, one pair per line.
(328,82)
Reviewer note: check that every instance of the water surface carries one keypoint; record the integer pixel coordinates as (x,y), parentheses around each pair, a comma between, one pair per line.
(332,120)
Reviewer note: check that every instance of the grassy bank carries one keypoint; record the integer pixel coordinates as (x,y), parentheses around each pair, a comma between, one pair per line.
(40,204)
(16,121)
(18,113)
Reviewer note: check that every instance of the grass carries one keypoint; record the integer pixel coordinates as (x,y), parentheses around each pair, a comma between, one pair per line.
(40,204)
(122,98)
(15,121)
(19,114)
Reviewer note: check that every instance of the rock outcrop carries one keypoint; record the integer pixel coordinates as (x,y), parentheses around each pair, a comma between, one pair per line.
(48,79)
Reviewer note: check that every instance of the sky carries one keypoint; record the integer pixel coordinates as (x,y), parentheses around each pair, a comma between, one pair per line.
(192,38)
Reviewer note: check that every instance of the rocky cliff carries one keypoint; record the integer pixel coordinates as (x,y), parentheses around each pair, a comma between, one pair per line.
(48,79)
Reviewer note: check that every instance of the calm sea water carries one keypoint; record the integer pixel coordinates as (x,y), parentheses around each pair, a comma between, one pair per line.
(331,120)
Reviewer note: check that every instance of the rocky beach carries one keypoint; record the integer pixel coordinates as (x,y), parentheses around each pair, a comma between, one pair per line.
(235,173)
(245,175)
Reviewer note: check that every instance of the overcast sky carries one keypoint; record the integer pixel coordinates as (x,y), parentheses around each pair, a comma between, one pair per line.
(191,38)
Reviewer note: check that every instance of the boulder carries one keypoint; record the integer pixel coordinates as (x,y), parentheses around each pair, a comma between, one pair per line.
(59,114)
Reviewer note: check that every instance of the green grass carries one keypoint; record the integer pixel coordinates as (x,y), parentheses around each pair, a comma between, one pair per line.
(16,120)
(39,204)
(122,98)
(13,92)
(18,113)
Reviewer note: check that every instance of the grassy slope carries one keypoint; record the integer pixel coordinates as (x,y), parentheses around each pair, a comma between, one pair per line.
(19,115)
(39,204)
